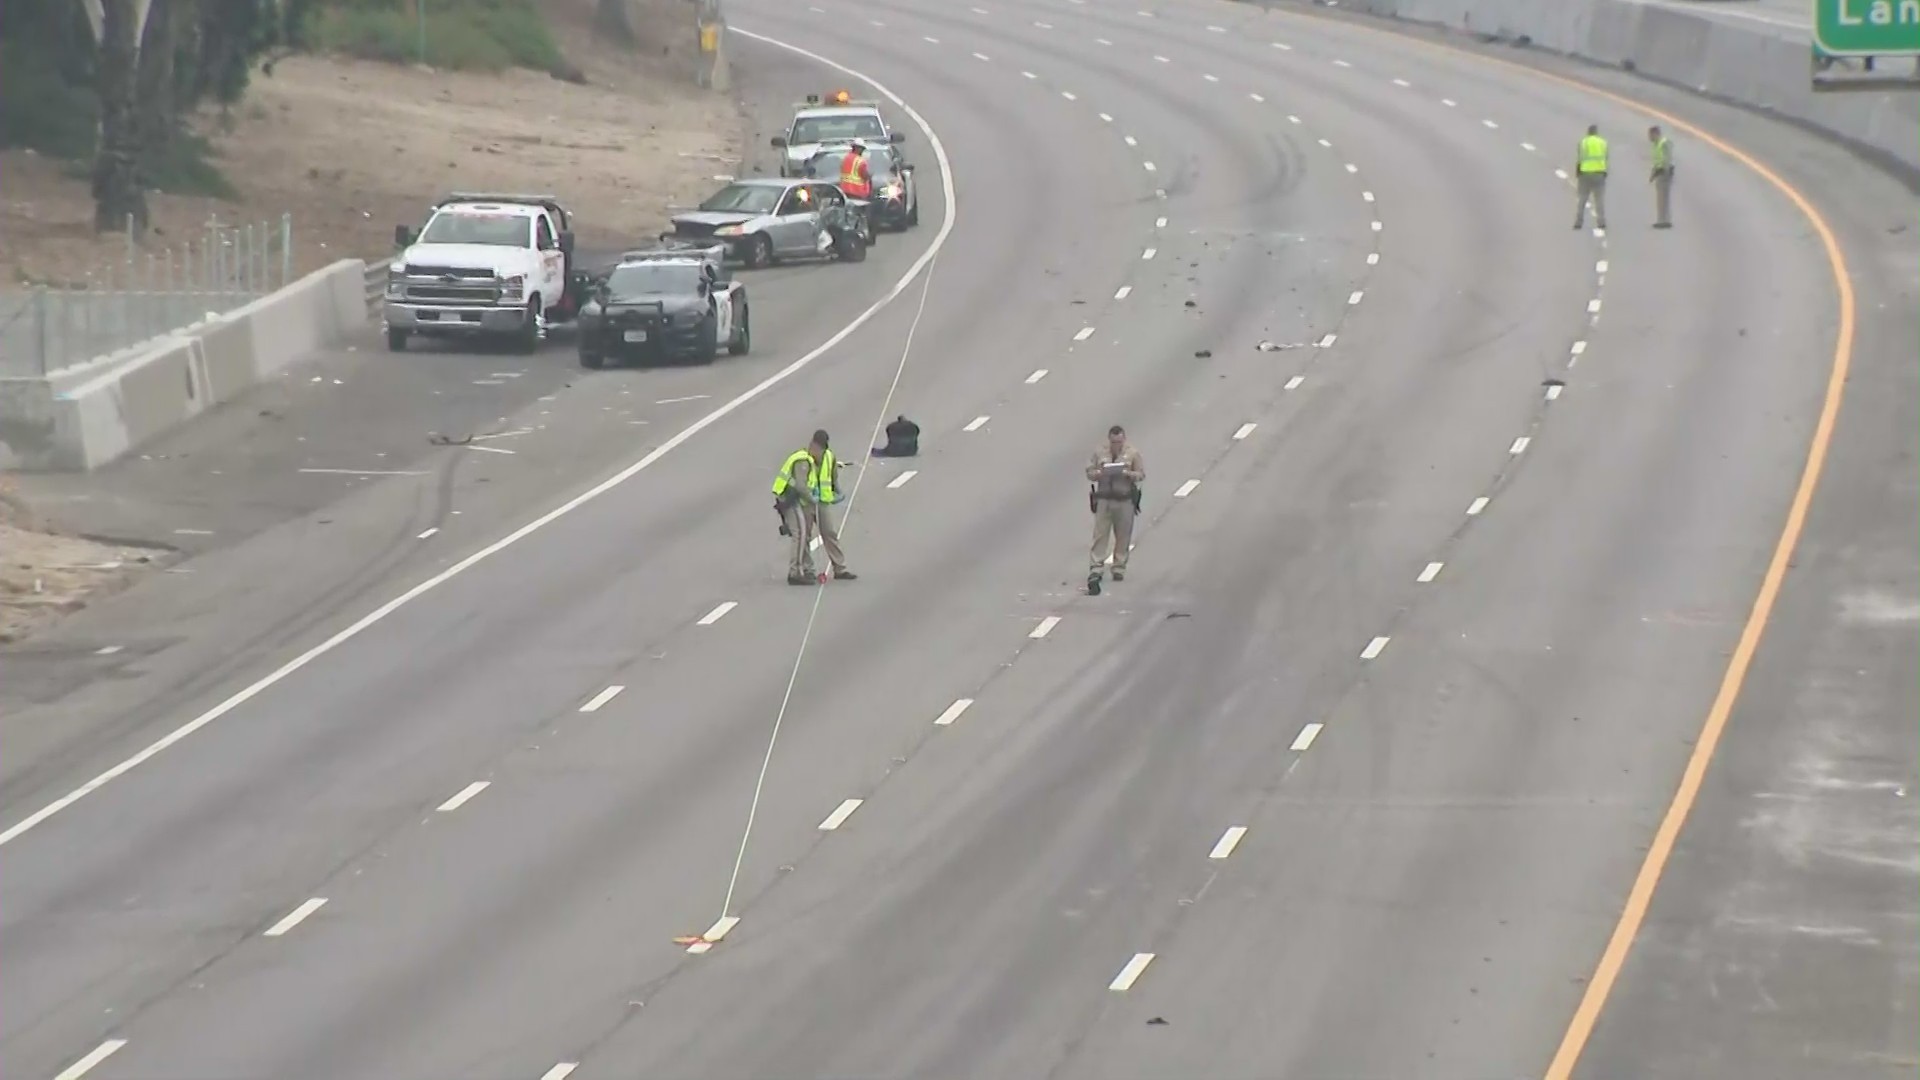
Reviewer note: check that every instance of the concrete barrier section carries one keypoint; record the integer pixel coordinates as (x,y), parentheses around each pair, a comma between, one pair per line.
(86,416)
(1765,67)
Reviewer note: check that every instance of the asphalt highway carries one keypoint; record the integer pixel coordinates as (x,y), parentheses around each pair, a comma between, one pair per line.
(1350,777)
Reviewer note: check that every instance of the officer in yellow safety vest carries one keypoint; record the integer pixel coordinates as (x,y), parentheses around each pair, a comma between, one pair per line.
(1662,178)
(1591,168)
(804,491)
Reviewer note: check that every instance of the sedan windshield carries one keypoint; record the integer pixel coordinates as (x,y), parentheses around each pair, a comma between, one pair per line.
(499,230)
(813,129)
(744,199)
(653,279)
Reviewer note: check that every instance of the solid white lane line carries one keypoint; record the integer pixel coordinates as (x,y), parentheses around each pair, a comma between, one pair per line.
(1149,253)
(901,480)
(976,423)
(720,929)
(840,815)
(1257,97)
(1083,333)
(85,1065)
(658,453)
(1122,291)
(1528,147)
(1354,298)
(953,711)
(1228,841)
(1373,258)
(1600,267)
(1046,627)
(1448,102)
(1068,94)
(612,692)
(1131,972)
(1185,489)
(565,1068)
(982,56)
(1477,505)
(1432,571)
(295,917)
(1306,736)
(428,533)
(1579,347)
(1327,342)
(718,613)
(1593,306)
(1036,376)
(1553,392)
(460,799)
(1294,383)
(1519,445)
(1245,430)
(1373,648)
(1151,167)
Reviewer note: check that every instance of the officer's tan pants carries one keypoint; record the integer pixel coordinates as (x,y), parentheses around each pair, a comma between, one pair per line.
(821,520)
(1662,198)
(800,524)
(1592,189)
(1112,525)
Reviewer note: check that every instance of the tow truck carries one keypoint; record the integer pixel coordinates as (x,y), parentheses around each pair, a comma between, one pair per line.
(839,118)
(485,265)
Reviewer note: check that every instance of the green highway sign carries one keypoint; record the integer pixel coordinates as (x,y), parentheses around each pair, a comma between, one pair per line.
(1867,27)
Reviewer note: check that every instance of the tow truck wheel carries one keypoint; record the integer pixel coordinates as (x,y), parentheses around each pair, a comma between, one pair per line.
(742,342)
(527,338)
(396,340)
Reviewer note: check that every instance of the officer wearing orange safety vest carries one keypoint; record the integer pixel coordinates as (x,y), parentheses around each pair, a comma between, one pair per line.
(856,176)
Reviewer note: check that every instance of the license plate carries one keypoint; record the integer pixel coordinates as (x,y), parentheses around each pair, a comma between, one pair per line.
(636,335)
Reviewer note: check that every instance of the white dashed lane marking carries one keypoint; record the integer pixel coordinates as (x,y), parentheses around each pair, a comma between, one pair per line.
(1046,627)
(840,815)
(1519,445)
(1354,298)
(1600,267)
(1122,291)
(1101,41)
(85,1065)
(611,692)
(1256,97)
(1292,119)
(953,711)
(461,798)
(1528,147)
(1294,383)
(1227,842)
(901,480)
(1028,75)
(560,1071)
(1561,173)
(1306,736)
(1373,648)
(1377,226)
(1490,124)
(1185,489)
(1068,94)
(1367,195)
(1352,168)
(1150,166)
(1163,59)
(1341,63)
(1105,118)
(1084,333)
(1432,571)
(1130,140)
(1327,342)
(1402,83)
(428,533)
(295,917)
(1036,376)
(1159,223)
(1131,973)
(1449,102)
(1326,144)
(1477,505)
(982,56)
(1245,430)
(718,613)
(1373,258)
(1593,306)
(1211,78)
(1216,29)
(1149,253)
(976,423)
(930,40)
(1553,392)
(1579,347)
(1283,46)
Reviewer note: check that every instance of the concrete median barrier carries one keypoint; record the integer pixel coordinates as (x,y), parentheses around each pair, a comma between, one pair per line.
(85,416)
(1760,65)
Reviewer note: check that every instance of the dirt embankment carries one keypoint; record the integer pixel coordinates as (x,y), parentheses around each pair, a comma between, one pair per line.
(352,148)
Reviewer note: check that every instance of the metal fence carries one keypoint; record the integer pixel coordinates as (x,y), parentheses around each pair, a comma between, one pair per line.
(145,295)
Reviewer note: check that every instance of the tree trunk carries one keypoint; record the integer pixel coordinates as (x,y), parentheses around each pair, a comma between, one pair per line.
(117,194)
(155,101)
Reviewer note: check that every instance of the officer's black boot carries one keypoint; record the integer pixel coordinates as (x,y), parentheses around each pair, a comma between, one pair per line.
(1093,583)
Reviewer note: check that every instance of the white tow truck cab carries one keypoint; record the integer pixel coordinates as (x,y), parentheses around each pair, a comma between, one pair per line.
(838,120)
(484,265)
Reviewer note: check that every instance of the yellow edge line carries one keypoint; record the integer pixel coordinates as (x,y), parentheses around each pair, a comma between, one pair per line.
(1607,971)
